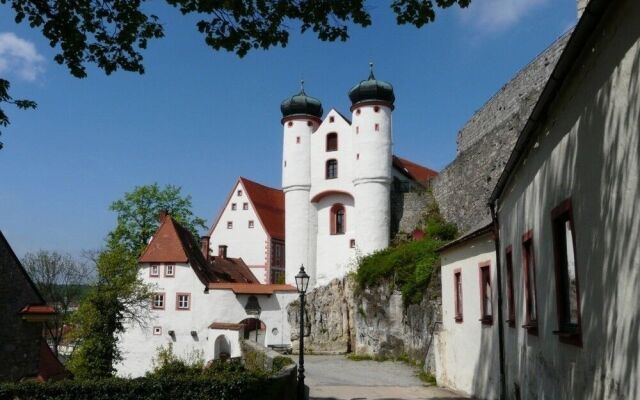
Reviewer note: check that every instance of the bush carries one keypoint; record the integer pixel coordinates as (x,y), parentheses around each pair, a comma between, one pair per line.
(281,362)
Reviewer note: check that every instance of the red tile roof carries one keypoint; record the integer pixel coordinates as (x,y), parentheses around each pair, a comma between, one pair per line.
(174,243)
(225,325)
(252,288)
(417,172)
(33,309)
(268,204)
(49,367)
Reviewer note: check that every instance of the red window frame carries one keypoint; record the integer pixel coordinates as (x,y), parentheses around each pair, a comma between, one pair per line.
(530,294)
(188,301)
(457,292)
(332,142)
(338,222)
(166,270)
(157,273)
(511,305)
(484,274)
(153,301)
(567,332)
(331,169)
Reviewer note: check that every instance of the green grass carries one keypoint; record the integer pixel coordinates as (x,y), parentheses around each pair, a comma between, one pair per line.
(427,378)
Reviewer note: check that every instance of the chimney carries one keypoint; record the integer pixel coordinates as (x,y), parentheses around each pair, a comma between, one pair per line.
(204,247)
(162,215)
(222,251)
(582,4)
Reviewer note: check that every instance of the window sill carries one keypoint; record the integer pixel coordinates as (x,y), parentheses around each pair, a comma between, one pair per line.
(511,323)
(487,320)
(337,234)
(532,328)
(569,336)
(458,319)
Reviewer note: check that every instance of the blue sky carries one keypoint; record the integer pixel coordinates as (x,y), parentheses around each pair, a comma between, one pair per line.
(199,118)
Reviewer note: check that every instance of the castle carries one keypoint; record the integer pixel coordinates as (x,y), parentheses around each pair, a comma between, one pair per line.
(337,180)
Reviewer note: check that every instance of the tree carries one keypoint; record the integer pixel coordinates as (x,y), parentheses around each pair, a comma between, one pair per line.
(62,282)
(138,213)
(118,297)
(113,33)
(6,98)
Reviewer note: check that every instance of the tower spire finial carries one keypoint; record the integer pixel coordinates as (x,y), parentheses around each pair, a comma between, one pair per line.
(371,71)
(302,86)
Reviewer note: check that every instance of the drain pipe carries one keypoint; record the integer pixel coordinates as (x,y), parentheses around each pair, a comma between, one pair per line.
(496,240)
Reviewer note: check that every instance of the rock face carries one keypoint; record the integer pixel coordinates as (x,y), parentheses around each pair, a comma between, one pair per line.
(341,319)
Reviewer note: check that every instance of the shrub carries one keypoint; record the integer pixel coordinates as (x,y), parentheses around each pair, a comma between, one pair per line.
(281,362)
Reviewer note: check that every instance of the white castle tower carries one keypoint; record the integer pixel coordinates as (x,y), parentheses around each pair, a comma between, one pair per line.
(336,178)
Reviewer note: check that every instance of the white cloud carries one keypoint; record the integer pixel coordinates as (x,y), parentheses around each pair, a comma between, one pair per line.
(497,15)
(19,57)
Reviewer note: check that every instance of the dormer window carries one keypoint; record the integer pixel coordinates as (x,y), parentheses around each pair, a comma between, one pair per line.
(331,170)
(332,141)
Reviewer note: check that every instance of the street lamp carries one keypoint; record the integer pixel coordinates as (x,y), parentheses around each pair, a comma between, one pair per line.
(302,283)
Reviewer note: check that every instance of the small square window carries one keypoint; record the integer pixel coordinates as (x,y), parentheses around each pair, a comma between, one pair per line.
(154,270)
(245,206)
(157,330)
(229,225)
(290,124)
(250,224)
(358,111)
(357,130)
(377,127)
(234,206)
(376,109)
(352,243)
(239,193)
(309,123)
(157,301)
(169,270)
(298,139)
(358,156)
(183,301)
(332,119)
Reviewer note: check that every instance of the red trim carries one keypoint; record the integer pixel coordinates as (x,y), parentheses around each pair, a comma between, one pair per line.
(559,216)
(531,325)
(178,301)
(151,274)
(154,331)
(38,309)
(153,301)
(173,274)
(511,306)
(326,193)
(485,318)
(457,293)
(333,219)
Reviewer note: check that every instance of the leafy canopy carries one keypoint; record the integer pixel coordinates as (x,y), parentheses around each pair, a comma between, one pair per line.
(138,214)
(112,34)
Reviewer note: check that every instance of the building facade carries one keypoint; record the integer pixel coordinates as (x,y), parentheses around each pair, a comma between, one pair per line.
(251,226)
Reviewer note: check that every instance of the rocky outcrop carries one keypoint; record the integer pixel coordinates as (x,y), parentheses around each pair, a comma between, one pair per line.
(341,319)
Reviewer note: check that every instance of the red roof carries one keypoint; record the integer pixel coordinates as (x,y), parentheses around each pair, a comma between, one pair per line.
(49,367)
(32,309)
(268,204)
(253,288)
(417,172)
(174,243)
(225,325)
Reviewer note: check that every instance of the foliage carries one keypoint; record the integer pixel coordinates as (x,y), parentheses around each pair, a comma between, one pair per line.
(138,214)
(427,378)
(62,282)
(408,265)
(281,362)
(167,364)
(118,297)
(5,97)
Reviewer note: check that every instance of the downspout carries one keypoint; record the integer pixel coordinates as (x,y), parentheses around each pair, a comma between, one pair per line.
(496,240)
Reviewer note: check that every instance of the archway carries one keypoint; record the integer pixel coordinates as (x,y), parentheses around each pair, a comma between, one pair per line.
(254,330)
(222,348)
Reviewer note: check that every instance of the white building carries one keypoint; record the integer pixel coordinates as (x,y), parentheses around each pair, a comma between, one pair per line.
(251,226)
(202,304)
(337,177)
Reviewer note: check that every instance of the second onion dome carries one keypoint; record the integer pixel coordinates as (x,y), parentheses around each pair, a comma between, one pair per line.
(301,104)
(372,89)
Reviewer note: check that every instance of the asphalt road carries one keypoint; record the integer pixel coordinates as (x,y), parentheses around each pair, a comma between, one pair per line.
(338,378)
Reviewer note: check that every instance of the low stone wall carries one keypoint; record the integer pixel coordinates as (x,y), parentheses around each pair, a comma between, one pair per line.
(282,383)
(339,319)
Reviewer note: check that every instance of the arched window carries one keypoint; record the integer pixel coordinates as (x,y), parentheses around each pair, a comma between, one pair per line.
(332,141)
(338,220)
(331,171)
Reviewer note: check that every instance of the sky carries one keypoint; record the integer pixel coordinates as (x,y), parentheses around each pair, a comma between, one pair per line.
(199,119)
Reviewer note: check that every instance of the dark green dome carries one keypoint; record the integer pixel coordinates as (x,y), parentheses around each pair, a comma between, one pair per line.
(372,90)
(301,104)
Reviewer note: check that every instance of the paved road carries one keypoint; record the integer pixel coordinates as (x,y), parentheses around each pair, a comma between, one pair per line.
(338,378)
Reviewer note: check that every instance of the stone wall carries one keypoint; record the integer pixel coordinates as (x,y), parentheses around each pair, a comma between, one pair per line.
(407,210)
(341,319)
(485,142)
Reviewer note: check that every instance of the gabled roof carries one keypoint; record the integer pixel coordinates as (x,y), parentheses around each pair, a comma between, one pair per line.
(414,171)
(4,243)
(579,39)
(485,227)
(174,243)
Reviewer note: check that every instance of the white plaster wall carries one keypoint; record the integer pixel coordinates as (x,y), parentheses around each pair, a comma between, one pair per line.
(334,255)
(467,351)
(250,244)
(139,346)
(373,216)
(588,150)
(296,225)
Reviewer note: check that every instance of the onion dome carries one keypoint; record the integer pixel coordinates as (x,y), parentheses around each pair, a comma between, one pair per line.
(372,90)
(301,104)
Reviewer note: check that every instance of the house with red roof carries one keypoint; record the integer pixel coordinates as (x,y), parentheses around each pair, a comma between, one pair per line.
(23,312)
(202,303)
(250,225)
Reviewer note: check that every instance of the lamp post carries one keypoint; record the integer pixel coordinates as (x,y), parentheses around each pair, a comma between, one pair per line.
(302,283)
